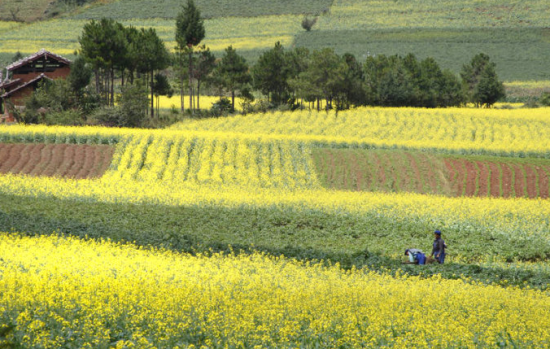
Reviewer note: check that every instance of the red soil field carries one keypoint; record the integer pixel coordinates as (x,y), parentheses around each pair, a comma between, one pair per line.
(77,161)
(391,171)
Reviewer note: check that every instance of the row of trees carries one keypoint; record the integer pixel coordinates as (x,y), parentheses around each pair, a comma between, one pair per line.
(131,63)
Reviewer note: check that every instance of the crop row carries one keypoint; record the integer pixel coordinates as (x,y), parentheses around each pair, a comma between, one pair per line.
(63,160)
(219,161)
(516,133)
(59,292)
(405,171)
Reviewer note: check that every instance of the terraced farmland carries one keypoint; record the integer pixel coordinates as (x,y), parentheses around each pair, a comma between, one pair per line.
(401,171)
(55,160)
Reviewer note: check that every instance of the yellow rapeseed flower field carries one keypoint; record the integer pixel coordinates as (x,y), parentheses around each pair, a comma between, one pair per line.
(517,132)
(64,292)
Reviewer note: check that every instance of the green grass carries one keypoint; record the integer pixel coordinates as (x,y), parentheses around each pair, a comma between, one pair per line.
(371,239)
(129,9)
(368,14)
(520,53)
(25,10)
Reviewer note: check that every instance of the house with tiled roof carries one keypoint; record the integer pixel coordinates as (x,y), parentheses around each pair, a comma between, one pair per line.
(23,77)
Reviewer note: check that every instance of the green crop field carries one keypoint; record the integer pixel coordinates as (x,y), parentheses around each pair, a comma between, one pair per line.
(514,34)
(131,9)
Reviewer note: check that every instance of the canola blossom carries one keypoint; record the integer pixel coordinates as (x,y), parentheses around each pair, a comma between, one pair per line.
(213,168)
(64,292)
(517,132)
(517,220)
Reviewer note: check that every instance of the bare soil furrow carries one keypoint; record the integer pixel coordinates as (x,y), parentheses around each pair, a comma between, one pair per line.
(483,182)
(65,160)
(34,159)
(519,184)
(23,158)
(417,175)
(532,181)
(496,177)
(507,176)
(79,159)
(543,182)
(4,156)
(471,175)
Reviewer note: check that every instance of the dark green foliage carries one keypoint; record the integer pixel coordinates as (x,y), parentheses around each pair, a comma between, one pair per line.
(131,9)
(481,81)
(404,81)
(53,103)
(153,56)
(104,45)
(545,99)
(308,23)
(132,105)
(204,67)
(189,33)
(351,240)
(271,74)
(222,107)
(189,26)
(232,73)
(80,76)
(17,56)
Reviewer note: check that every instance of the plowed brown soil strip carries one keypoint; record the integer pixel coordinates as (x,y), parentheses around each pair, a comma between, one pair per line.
(531,181)
(483,178)
(59,160)
(425,173)
(519,181)
(495,180)
(506,180)
(471,173)
(416,171)
(543,182)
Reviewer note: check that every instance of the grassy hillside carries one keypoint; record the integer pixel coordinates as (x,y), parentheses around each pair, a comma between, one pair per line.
(513,33)
(24,10)
(131,9)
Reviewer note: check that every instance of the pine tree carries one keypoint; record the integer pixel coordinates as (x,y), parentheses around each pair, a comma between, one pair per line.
(189,33)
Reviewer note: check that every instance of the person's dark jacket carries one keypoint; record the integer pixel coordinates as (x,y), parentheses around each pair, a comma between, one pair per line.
(438,247)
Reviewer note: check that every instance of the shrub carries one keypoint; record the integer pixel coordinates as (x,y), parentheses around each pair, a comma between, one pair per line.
(545,99)
(308,23)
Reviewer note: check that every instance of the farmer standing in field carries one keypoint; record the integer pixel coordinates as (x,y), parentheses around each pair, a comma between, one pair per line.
(438,250)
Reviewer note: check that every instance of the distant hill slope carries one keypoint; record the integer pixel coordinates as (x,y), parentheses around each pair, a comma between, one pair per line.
(25,10)
(515,34)
(131,9)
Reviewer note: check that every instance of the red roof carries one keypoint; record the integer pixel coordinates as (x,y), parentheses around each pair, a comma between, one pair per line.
(39,77)
(40,54)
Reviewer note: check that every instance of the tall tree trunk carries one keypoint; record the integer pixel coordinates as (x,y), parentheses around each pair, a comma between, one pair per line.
(318,107)
(198,95)
(96,72)
(112,86)
(106,86)
(122,77)
(190,71)
(232,100)
(181,94)
(152,96)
